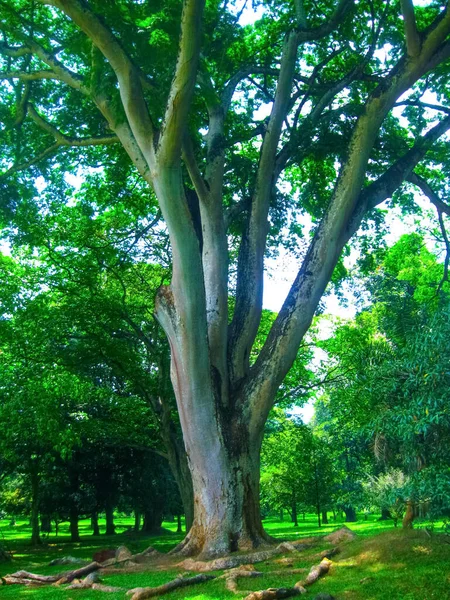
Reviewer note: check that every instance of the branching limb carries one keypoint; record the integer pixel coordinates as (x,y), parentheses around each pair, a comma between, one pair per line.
(412,36)
(442,208)
(128,77)
(428,191)
(419,103)
(182,87)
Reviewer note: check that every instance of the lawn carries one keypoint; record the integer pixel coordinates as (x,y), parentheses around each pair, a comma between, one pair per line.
(381,563)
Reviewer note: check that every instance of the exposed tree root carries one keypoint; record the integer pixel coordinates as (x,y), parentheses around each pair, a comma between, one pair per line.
(274,593)
(141,593)
(231,562)
(298,589)
(236,567)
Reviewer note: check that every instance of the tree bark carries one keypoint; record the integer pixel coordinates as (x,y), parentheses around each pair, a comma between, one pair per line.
(46,523)
(324,517)
(109,514)
(350,514)
(94,523)
(152,521)
(73,524)
(179,528)
(137,520)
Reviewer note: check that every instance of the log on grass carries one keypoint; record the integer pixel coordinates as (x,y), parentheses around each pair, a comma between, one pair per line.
(141,593)
(317,571)
(32,576)
(275,593)
(77,573)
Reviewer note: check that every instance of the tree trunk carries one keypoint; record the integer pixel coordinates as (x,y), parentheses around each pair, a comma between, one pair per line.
(94,523)
(350,514)
(324,517)
(73,509)
(56,519)
(137,520)
(152,521)
(109,514)
(179,528)
(46,523)
(294,509)
(73,521)
(319,523)
(34,520)
(408,519)
(226,496)
(334,515)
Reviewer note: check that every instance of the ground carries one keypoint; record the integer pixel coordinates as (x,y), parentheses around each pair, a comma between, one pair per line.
(381,563)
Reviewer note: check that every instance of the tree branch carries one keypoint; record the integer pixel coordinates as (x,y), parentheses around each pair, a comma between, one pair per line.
(128,77)
(412,36)
(183,83)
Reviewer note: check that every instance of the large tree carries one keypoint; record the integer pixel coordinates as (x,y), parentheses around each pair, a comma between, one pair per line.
(81,75)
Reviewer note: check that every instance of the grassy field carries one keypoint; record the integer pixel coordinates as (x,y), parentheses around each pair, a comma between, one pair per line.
(380,564)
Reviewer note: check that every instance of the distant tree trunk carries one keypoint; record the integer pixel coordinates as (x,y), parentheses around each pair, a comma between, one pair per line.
(304,516)
(281,515)
(56,520)
(334,515)
(109,514)
(152,521)
(73,524)
(294,509)
(34,520)
(385,514)
(324,517)
(179,528)
(73,510)
(94,523)
(46,523)
(408,519)
(137,520)
(350,514)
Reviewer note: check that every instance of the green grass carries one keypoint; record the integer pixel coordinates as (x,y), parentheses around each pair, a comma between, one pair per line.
(391,564)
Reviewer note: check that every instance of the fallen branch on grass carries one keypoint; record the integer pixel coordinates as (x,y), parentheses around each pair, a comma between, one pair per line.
(25,578)
(317,571)
(142,593)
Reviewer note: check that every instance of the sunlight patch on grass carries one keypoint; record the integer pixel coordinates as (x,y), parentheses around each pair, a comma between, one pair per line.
(422,550)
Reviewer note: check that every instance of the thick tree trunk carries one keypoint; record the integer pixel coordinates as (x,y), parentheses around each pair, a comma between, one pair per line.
(350,514)
(94,523)
(109,514)
(152,521)
(226,496)
(34,520)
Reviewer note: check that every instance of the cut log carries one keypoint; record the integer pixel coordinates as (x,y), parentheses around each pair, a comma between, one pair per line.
(141,593)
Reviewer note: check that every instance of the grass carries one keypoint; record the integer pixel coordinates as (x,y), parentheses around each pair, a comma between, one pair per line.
(381,563)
